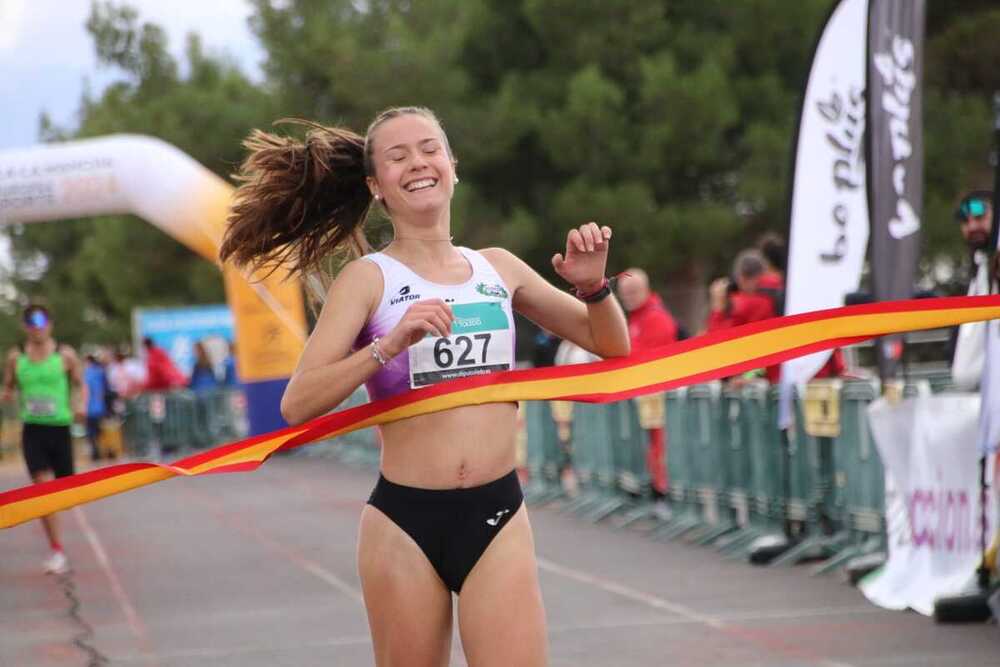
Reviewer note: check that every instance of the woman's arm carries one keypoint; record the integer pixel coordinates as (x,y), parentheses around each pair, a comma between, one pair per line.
(328,372)
(598,327)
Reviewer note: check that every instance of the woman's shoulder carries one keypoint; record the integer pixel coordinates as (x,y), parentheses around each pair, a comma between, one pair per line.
(358,281)
(501,258)
(360,271)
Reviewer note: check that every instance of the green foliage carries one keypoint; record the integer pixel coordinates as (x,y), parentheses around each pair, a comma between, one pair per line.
(116,264)
(670,121)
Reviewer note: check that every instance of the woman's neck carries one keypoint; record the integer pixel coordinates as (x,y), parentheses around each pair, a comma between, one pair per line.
(417,253)
(423,240)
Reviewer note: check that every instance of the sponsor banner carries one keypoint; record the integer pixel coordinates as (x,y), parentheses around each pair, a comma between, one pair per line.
(928,448)
(828,230)
(896,154)
(176,330)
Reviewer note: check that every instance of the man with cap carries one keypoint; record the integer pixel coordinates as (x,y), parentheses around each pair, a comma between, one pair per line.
(48,378)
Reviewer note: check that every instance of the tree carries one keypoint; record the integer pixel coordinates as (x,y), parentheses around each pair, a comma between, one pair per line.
(671,121)
(117,263)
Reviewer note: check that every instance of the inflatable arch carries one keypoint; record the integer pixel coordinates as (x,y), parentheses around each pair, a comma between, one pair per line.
(149,178)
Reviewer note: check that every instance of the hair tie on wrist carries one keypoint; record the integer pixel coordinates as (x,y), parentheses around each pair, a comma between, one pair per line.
(597,295)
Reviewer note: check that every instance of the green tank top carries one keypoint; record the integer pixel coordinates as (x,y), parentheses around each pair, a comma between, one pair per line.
(44,390)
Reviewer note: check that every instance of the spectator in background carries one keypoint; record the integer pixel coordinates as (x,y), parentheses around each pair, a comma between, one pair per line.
(741,300)
(772,282)
(229,376)
(562,413)
(161,373)
(650,325)
(975,218)
(96,379)
(545,348)
(126,375)
(202,374)
(773,251)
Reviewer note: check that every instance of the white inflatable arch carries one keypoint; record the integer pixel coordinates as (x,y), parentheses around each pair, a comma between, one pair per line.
(149,178)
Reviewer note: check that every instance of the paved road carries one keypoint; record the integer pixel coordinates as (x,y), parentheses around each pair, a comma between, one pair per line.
(259,569)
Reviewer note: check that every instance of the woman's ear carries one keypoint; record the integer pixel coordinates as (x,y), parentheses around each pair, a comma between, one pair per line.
(373,187)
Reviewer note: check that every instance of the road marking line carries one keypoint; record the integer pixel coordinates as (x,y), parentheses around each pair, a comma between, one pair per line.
(135,623)
(239,523)
(656,602)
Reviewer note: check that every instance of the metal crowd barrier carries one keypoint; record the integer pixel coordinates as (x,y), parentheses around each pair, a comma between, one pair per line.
(165,423)
(735,481)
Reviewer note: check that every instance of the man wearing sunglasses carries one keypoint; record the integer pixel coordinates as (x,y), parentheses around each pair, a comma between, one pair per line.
(975,218)
(52,395)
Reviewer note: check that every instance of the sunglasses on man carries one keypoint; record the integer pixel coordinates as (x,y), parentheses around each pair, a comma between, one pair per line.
(36,319)
(972,208)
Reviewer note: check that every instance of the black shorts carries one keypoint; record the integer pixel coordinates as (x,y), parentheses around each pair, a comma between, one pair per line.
(47,448)
(452,527)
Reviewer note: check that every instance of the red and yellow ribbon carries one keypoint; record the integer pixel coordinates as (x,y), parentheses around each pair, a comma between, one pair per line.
(701,359)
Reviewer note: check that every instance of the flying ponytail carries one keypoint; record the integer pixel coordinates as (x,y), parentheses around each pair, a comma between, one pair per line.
(298,200)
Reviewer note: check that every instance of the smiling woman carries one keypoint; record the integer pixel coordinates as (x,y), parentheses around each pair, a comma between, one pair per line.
(446,515)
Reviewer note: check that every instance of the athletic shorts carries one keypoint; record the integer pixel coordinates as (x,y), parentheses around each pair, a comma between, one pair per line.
(47,448)
(453,527)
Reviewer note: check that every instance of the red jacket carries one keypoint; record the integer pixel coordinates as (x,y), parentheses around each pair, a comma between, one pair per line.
(745,308)
(161,373)
(771,280)
(651,325)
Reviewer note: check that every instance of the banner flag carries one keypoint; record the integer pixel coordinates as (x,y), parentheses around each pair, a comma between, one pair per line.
(896,154)
(828,229)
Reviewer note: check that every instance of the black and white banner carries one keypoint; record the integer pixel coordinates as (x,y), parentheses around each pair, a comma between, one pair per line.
(828,230)
(896,159)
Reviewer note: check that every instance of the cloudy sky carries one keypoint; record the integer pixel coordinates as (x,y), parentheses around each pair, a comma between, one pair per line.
(46,53)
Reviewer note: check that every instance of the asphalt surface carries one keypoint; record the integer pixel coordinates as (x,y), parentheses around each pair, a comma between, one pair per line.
(259,568)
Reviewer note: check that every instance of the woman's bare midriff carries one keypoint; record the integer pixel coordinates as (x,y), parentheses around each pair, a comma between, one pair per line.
(457,448)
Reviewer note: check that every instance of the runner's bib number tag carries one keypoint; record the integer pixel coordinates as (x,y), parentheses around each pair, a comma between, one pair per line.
(480,342)
(40,406)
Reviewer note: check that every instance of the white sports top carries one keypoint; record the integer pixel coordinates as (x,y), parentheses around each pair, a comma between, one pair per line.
(482,335)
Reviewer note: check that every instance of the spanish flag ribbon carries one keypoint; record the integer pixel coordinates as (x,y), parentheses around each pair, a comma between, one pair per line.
(701,359)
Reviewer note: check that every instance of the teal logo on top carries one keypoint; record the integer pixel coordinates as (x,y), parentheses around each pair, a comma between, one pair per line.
(492,290)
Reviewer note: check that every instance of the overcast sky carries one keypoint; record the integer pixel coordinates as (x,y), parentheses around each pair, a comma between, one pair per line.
(46,53)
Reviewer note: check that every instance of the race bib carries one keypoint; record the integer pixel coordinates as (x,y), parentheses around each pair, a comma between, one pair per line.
(40,406)
(480,342)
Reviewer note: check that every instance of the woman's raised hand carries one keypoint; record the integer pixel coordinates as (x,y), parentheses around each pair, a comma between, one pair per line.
(430,316)
(586,257)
